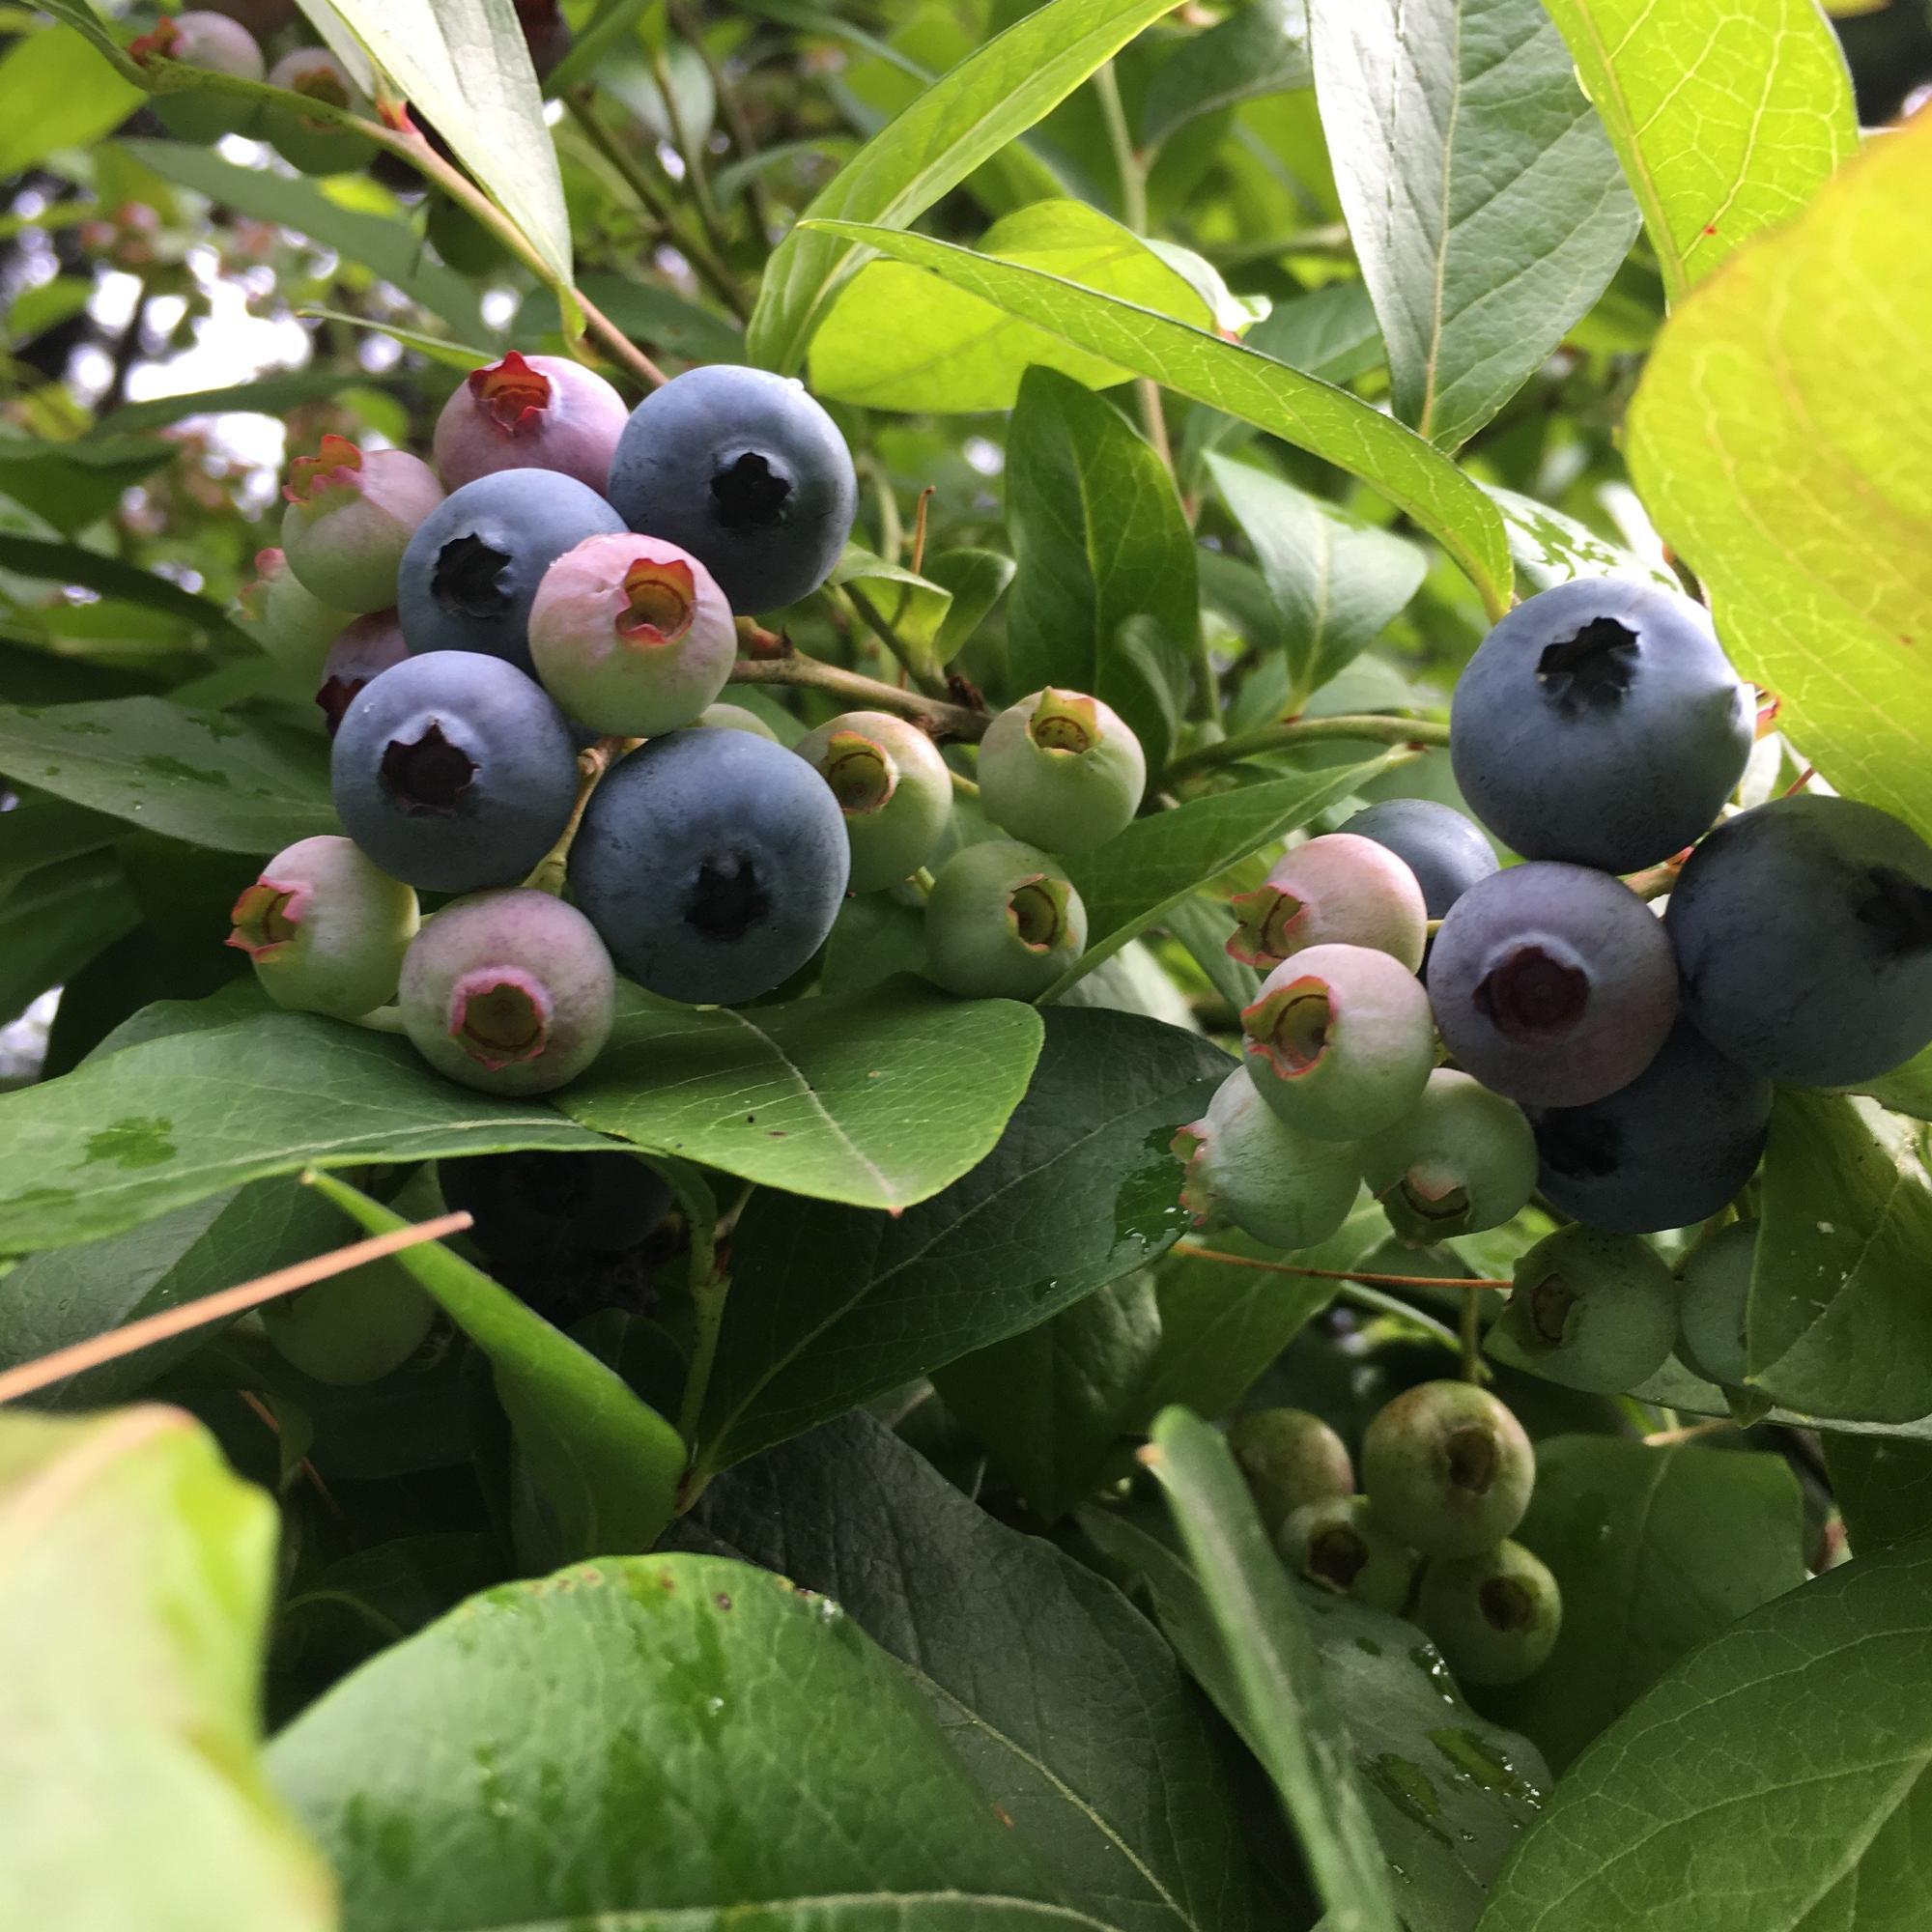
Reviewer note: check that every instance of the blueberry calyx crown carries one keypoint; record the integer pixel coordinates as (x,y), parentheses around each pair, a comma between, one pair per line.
(1037,910)
(1471,1458)
(726,898)
(860,771)
(264,918)
(1291,1026)
(468,581)
(750,491)
(1505,1604)
(497,1017)
(1597,667)
(1336,1556)
(429,775)
(1530,995)
(512,395)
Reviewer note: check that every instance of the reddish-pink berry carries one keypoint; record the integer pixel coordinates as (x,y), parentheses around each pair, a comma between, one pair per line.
(351,515)
(529,413)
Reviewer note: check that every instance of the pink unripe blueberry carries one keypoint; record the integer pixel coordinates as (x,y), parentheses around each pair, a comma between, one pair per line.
(358,652)
(351,515)
(511,992)
(286,618)
(630,634)
(1061,769)
(1247,1165)
(1003,922)
(315,146)
(211,41)
(1339,890)
(892,787)
(324,929)
(1339,1042)
(529,413)
(1460,1161)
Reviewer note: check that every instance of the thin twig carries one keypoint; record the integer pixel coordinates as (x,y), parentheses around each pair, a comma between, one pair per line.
(1373,1280)
(1374,728)
(943,719)
(137,1335)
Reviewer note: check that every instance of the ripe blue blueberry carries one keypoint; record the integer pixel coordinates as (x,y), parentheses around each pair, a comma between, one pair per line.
(352,515)
(534,1209)
(1245,1164)
(471,573)
(1445,851)
(1804,932)
(1004,922)
(315,146)
(746,473)
(1552,983)
(510,992)
(1494,1616)
(1715,1282)
(1593,1310)
(713,863)
(1462,1160)
(529,413)
(1599,722)
(453,770)
(1061,771)
(1667,1151)
(358,654)
(1340,1545)
(893,789)
(1339,890)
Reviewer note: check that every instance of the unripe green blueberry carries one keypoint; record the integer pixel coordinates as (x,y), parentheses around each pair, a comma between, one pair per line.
(1003,922)
(324,929)
(1340,1545)
(315,146)
(462,240)
(1593,1310)
(892,786)
(1339,1042)
(1448,1468)
(1245,1164)
(351,515)
(735,717)
(287,619)
(1290,1459)
(1338,890)
(211,41)
(355,1327)
(1494,1616)
(631,635)
(511,992)
(1460,1161)
(1716,1280)
(1061,770)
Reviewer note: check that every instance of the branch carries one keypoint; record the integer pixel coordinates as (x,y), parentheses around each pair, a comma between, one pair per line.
(940,718)
(1375,729)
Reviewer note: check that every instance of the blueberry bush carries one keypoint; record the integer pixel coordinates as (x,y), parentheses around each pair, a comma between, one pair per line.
(965,966)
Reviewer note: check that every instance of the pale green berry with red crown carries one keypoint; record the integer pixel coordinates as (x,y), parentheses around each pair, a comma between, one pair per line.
(1338,890)
(349,517)
(1003,921)
(1062,771)
(892,787)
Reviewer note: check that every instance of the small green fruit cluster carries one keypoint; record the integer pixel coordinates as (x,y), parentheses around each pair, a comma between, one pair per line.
(1447,1473)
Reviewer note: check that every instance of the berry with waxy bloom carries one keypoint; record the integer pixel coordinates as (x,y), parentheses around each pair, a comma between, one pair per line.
(1591,1310)
(286,618)
(529,413)
(892,787)
(308,142)
(511,992)
(324,929)
(1460,1161)
(360,652)
(1003,922)
(349,517)
(631,635)
(1338,890)
(211,41)
(1062,771)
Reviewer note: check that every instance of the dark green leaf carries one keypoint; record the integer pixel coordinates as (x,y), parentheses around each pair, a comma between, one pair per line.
(274,395)
(765,1765)
(200,776)
(647,313)
(1884,1489)
(72,484)
(857,1099)
(1260,48)
(1656,1549)
(43,831)
(977,579)
(831,1306)
(1100,1759)
(1099,539)
(1774,1780)
(68,563)
(54,921)
(61,93)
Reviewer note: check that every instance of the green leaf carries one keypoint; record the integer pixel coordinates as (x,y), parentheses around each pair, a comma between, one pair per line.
(1717,148)
(384,246)
(54,921)
(1261,49)
(153,1125)
(1882,1487)
(464,66)
(1782,1764)
(275,394)
(1101,538)
(1656,1549)
(63,94)
(1907,1089)
(912,607)
(964,119)
(1447,1792)
(1275,1671)
(136,1578)
(765,1765)
(1334,580)
(607,1464)
(1131,881)
(1550,548)
(652,315)
(1776,447)
(976,579)
(1054,1405)
(831,1306)
(1482,194)
(43,831)
(68,563)
(1102,1761)
(1327,422)
(201,776)
(857,1099)
(896,339)
(72,484)
(1840,1323)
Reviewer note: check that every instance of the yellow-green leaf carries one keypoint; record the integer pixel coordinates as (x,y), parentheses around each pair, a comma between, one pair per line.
(1779,438)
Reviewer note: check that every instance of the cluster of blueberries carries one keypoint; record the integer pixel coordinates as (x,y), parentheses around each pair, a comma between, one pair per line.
(1447,1472)
(1620,1063)
(482,655)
